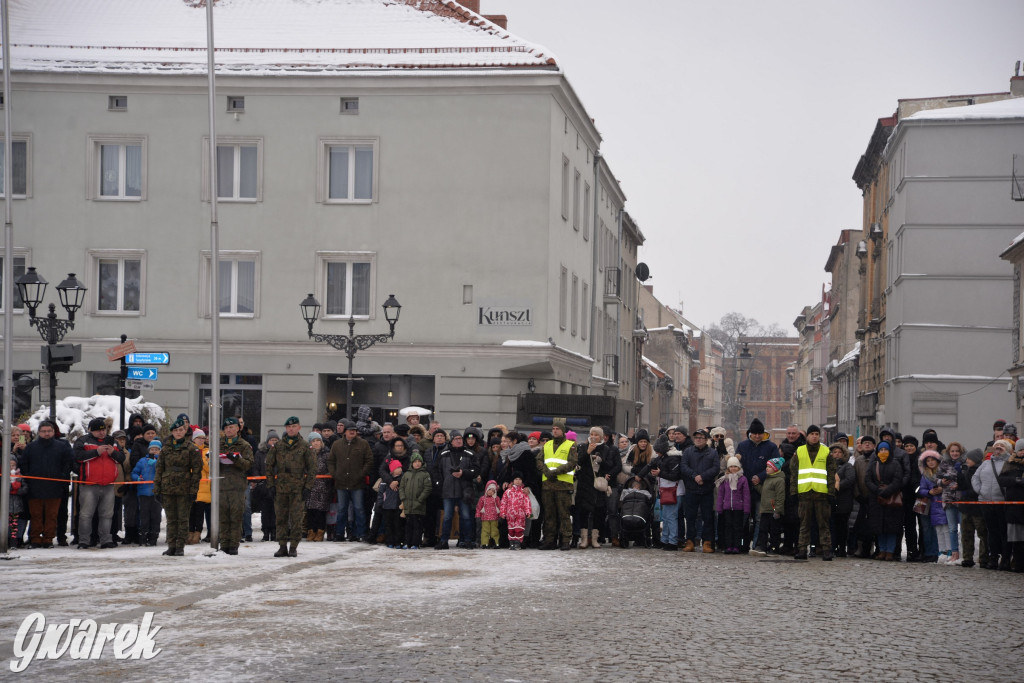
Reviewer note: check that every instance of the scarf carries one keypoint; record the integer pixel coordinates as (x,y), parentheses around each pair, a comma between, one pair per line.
(734,478)
(883,456)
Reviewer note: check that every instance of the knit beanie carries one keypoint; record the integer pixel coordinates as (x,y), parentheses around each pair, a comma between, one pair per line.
(394,465)
(733,462)
(775,465)
(975,455)
(756,427)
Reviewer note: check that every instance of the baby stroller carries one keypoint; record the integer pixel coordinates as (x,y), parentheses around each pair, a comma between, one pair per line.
(636,510)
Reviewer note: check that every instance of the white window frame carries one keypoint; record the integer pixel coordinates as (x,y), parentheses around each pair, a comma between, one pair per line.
(206,272)
(17,252)
(584,309)
(325,257)
(236,142)
(586,210)
(563,293)
(575,308)
(323,171)
(94,159)
(565,188)
(27,139)
(93,275)
(576,200)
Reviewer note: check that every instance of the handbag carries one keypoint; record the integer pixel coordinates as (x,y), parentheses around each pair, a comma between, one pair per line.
(921,506)
(893,501)
(534,506)
(667,495)
(601,485)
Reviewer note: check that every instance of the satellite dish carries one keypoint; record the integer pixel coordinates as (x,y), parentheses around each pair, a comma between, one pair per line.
(642,272)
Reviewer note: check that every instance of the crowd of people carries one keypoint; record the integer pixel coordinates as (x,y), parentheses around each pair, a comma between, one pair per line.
(413,486)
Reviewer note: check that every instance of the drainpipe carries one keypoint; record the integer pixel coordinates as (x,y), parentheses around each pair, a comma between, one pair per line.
(593,271)
(618,309)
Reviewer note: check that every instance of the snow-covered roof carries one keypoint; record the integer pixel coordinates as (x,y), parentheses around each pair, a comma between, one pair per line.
(654,366)
(259,37)
(1012,108)
(530,343)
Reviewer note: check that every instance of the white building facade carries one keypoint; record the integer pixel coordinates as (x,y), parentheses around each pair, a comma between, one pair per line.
(364,149)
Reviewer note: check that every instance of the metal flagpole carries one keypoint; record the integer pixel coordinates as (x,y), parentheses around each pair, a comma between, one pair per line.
(8,284)
(214,436)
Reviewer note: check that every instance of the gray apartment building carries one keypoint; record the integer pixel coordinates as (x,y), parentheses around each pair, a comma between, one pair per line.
(364,148)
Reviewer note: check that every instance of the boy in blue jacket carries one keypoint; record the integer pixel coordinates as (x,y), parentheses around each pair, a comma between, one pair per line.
(149,506)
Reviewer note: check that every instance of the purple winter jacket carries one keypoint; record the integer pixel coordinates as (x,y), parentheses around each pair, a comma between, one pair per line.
(936,513)
(733,500)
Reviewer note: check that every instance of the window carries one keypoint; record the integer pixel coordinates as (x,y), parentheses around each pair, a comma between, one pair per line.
(240,396)
(107,384)
(236,104)
(586,211)
(584,310)
(239,169)
(574,313)
(565,187)
(118,167)
(117,278)
(347,284)
(563,290)
(347,172)
(349,105)
(238,275)
(20,259)
(21,146)
(576,201)
(117,103)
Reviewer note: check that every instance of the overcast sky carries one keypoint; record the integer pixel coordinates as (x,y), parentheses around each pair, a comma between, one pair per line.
(734,127)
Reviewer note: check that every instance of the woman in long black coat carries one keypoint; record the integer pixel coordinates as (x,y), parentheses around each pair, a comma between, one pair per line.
(884,478)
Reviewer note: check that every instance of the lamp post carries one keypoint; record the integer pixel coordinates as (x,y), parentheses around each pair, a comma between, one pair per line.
(352,342)
(743,360)
(57,357)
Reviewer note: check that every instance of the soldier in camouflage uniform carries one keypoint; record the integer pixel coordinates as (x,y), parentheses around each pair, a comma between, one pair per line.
(178,471)
(235,460)
(557,462)
(291,471)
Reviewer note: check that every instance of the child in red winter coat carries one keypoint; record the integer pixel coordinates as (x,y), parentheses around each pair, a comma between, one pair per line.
(515,508)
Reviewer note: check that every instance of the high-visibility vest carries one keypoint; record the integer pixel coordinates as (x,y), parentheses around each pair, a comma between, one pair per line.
(554,459)
(812,477)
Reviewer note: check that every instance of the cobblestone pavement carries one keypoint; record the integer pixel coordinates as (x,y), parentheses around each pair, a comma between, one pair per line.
(356,612)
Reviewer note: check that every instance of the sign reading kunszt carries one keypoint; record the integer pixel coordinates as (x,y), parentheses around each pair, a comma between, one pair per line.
(505,315)
(82,639)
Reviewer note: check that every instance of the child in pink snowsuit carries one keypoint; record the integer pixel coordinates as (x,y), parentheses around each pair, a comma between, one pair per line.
(515,508)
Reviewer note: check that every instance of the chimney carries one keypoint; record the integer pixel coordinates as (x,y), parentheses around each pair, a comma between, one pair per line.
(499,19)
(1017,82)
(471,5)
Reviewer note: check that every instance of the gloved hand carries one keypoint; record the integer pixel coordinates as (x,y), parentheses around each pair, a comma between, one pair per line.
(233,456)
(305,494)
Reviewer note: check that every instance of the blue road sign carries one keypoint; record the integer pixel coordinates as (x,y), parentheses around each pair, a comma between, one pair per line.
(147,358)
(143,373)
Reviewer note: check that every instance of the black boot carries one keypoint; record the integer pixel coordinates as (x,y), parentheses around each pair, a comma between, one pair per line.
(294,552)
(282,551)
(170,551)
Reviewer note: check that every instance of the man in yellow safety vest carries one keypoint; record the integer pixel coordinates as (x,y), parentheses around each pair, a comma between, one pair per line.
(812,478)
(556,461)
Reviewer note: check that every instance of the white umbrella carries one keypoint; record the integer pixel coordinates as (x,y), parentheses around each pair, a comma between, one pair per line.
(406,412)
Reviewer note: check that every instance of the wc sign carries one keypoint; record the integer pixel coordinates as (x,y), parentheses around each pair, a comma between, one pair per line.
(505,315)
(82,639)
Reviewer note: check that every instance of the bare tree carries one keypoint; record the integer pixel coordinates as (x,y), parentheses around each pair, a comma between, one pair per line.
(732,326)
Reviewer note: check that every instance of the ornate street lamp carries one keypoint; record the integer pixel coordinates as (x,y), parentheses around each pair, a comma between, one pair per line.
(352,342)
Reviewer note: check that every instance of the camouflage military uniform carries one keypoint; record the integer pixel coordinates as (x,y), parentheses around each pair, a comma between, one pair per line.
(233,484)
(178,471)
(290,469)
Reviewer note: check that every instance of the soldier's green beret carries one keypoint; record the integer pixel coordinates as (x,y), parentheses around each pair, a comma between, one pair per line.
(228,421)
(179,423)
(291,421)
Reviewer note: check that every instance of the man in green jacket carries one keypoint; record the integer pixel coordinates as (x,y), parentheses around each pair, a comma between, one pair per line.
(812,477)
(556,461)
(236,459)
(291,471)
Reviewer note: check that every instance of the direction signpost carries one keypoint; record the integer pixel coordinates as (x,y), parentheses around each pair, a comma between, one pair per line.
(148,358)
(139,385)
(143,373)
(132,376)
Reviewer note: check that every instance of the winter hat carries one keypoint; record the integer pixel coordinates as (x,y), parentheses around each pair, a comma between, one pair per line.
(394,465)
(884,446)
(661,446)
(558,422)
(756,427)
(495,441)
(332,425)
(929,454)
(733,462)
(155,444)
(910,439)
(975,455)
(402,430)
(700,431)
(775,464)
(272,434)
(1010,430)
(641,435)
(119,434)
(841,445)
(1007,445)
(456,434)
(998,424)
(546,435)
(718,431)
(814,429)
(199,434)
(787,449)
(930,436)
(1019,446)
(571,435)
(415,456)
(868,437)
(314,436)
(24,427)
(492,485)
(96,424)
(535,435)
